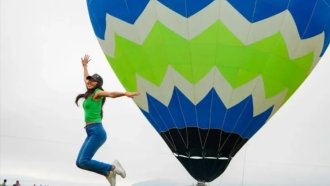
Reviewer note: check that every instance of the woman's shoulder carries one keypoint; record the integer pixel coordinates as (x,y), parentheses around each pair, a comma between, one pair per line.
(96,93)
(97,90)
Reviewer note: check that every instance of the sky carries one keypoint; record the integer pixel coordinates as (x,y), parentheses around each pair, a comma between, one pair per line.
(41,129)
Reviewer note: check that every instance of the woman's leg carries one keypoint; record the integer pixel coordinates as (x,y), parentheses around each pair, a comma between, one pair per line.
(96,136)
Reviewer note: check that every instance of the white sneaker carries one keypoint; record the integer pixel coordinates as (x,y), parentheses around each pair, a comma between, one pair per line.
(112,178)
(119,169)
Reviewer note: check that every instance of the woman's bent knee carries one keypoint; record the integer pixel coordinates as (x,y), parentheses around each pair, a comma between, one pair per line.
(81,164)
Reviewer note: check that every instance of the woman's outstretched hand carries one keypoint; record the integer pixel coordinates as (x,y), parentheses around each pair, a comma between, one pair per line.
(131,94)
(85,60)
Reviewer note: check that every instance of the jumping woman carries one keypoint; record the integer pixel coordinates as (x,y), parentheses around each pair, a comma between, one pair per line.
(94,99)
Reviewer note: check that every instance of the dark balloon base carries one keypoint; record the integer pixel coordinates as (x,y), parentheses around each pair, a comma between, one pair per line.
(205,153)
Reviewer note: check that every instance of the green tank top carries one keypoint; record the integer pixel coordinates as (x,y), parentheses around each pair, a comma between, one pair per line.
(92,108)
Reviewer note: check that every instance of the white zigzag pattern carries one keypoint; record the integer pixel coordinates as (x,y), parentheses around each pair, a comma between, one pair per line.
(221,10)
(196,92)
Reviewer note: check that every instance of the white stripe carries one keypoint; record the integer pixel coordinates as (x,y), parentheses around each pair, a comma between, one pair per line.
(200,157)
(217,10)
(196,92)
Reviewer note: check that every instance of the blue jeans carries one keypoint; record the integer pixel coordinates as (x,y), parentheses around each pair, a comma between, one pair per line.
(96,136)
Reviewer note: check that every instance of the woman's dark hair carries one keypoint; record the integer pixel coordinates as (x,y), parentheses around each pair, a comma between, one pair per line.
(88,93)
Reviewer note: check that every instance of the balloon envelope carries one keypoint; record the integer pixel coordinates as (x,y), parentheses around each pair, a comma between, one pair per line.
(210,72)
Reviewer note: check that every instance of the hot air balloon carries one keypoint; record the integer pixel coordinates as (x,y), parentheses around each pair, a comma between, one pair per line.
(210,72)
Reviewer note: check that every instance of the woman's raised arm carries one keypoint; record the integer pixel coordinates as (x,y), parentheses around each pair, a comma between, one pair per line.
(115,94)
(84,61)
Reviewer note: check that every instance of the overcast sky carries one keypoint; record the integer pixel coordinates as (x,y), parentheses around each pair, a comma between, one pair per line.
(41,129)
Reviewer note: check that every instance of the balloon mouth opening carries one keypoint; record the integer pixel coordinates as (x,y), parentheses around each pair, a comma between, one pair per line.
(200,157)
(203,168)
(201,183)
